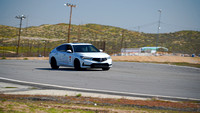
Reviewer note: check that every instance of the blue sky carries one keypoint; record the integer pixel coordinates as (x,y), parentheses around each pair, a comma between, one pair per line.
(138,15)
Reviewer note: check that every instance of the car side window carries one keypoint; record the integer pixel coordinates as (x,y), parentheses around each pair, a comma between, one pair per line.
(62,48)
(69,47)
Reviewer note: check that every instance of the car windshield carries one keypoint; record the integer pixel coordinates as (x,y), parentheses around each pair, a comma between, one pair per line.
(85,48)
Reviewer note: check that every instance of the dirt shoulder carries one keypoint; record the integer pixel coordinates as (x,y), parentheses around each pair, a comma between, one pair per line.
(25,58)
(160,59)
(40,103)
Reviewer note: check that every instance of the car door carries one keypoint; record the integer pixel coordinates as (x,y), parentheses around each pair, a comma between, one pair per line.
(61,55)
(68,60)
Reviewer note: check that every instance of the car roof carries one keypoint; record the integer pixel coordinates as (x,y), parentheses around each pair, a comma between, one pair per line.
(76,44)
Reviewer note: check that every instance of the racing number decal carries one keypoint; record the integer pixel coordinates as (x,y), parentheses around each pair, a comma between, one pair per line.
(70,58)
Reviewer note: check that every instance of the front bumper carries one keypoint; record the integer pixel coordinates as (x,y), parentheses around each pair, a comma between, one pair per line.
(96,64)
(99,65)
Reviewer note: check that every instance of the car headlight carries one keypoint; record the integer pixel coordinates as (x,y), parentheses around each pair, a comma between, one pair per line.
(85,57)
(109,57)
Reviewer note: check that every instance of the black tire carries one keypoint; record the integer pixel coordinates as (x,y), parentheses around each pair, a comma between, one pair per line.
(105,69)
(77,65)
(54,64)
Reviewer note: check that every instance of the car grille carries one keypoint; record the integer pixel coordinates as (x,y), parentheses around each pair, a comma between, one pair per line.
(100,65)
(99,59)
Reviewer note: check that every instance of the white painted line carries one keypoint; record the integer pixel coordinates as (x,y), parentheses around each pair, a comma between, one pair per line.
(95,90)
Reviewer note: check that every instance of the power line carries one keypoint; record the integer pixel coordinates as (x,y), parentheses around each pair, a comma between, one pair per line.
(173,25)
(144,25)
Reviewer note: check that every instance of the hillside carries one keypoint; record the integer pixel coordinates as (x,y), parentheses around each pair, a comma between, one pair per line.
(187,42)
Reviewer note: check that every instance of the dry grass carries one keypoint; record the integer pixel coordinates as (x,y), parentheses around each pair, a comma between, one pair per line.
(51,104)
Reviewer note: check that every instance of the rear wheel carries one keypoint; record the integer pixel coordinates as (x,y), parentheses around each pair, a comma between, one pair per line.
(54,64)
(77,65)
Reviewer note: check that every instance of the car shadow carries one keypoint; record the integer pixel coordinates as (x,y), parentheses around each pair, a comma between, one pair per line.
(67,69)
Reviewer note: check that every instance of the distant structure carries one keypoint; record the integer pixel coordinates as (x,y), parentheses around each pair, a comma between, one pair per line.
(130,51)
(153,49)
(143,51)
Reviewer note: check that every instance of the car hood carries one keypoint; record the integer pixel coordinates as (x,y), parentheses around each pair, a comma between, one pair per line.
(93,55)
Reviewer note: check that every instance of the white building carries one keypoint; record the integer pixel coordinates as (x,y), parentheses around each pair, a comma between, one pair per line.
(144,51)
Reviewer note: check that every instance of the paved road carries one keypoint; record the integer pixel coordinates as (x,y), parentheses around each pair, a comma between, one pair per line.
(142,78)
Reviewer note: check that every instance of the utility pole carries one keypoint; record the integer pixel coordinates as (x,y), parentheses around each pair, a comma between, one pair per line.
(44,48)
(26,24)
(71,6)
(18,43)
(160,10)
(79,33)
(122,39)
(138,29)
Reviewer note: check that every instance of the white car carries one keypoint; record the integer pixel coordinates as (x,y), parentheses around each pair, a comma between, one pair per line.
(79,55)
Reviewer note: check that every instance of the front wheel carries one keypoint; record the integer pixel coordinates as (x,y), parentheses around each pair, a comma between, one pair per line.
(54,64)
(105,69)
(77,65)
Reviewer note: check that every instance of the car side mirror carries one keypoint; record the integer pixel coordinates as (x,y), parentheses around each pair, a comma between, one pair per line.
(100,50)
(69,51)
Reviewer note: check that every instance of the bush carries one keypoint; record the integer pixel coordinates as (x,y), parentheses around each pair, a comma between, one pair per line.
(3,58)
(78,95)
(25,58)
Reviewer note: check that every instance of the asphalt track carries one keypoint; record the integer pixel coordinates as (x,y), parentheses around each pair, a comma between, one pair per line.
(125,78)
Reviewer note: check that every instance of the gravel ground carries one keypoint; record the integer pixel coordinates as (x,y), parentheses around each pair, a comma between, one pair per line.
(15,89)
